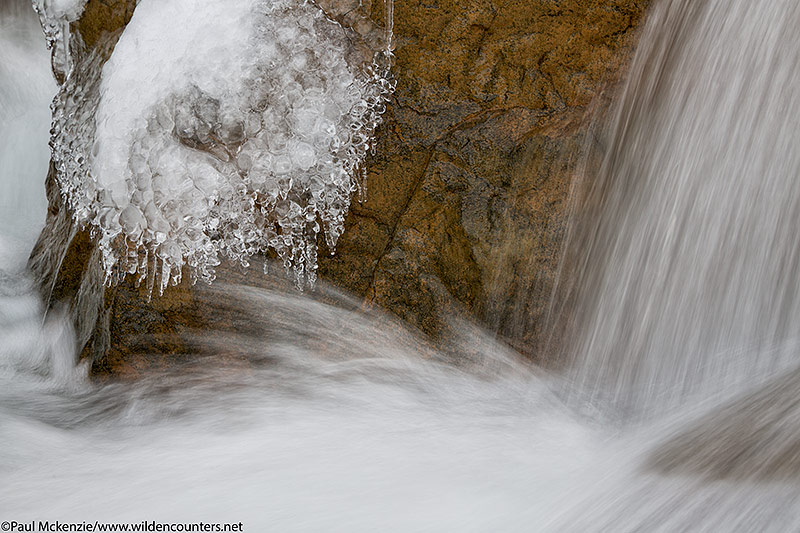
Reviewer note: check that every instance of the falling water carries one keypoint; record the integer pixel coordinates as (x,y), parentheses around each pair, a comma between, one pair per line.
(26,88)
(689,268)
(334,419)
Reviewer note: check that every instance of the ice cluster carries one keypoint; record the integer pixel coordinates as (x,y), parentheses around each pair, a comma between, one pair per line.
(218,129)
(56,16)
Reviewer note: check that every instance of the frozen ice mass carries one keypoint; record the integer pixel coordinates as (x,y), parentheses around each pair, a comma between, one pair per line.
(217,130)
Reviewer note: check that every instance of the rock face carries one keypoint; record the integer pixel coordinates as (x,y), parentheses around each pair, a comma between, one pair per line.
(467,193)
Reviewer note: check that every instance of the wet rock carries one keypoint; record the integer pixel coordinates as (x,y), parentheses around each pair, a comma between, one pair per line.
(467,192)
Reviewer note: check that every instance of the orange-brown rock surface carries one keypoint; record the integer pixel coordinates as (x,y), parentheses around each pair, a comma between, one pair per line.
(467,191)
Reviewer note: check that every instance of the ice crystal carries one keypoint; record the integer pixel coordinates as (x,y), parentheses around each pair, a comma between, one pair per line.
(56,16)
(218,129)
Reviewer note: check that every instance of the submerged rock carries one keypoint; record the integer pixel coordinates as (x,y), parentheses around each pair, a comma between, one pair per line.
(467,192)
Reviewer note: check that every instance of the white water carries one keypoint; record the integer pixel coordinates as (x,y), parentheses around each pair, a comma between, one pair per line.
(341,421)
(26,89)
(688,281)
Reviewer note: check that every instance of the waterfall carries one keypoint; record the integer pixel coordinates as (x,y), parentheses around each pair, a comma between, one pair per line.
(26,88)
(688,257)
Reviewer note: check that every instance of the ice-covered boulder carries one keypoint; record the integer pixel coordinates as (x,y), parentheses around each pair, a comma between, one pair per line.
(240,130)
(468,188)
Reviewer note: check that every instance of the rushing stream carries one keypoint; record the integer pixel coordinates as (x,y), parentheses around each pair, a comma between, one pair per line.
(338,419)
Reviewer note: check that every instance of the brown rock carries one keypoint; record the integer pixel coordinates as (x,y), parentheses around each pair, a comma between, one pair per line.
(467,194)
(102,18)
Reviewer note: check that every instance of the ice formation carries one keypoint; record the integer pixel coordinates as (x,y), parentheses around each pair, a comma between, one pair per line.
(219,129)
(56,16)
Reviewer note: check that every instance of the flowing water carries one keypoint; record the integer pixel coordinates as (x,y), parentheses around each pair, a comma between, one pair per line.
(340,420)
(26,89)
(688,278)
